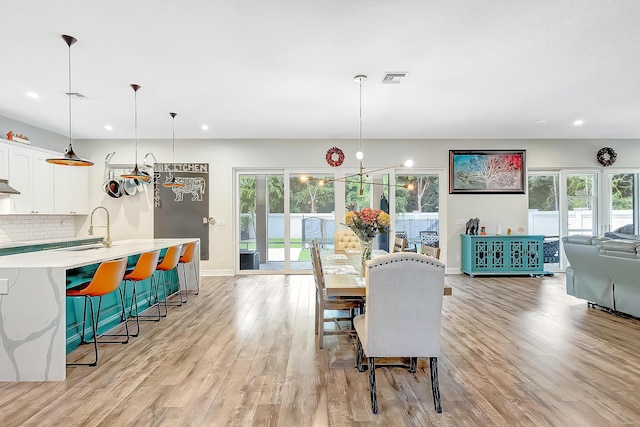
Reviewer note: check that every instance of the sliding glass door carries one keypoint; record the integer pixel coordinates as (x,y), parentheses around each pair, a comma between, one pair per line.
(417,208)
(280,212)
(623,205)
(581,203)
(311,216)
(544,214)
(261,220)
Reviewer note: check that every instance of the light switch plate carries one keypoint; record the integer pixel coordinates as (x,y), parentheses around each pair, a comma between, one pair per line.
(4,286)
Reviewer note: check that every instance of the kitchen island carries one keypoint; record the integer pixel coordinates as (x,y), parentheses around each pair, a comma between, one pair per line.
(33,311)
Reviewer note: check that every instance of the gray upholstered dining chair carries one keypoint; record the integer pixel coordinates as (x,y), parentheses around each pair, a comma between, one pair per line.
(404,308)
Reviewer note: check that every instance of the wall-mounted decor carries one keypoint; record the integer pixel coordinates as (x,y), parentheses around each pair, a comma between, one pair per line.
(487,171)
(606,156)
(334,157)
(182,210)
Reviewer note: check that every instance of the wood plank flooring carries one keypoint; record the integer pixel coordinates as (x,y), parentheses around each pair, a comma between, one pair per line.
(515,351)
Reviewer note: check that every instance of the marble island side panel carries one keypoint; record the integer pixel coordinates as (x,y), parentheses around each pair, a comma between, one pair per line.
(32,325)
(33,312)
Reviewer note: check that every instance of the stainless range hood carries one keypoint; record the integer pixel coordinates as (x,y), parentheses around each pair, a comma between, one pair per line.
(5,188)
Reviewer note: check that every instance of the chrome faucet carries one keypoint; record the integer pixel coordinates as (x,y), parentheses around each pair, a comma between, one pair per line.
(107,240)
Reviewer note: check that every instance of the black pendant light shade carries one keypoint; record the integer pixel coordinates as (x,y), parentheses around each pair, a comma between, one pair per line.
(69,158)
(136,173)
(172,182)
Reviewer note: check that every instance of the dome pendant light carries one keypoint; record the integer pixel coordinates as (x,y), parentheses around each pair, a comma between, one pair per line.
(136,173)
(69,158)
(173,182)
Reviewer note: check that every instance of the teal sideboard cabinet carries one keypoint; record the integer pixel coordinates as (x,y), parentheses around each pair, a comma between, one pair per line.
(502,255)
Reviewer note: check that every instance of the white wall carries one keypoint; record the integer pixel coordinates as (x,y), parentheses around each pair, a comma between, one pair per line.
(133,216)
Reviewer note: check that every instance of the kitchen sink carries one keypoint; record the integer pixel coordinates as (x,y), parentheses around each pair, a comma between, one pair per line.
(83,248)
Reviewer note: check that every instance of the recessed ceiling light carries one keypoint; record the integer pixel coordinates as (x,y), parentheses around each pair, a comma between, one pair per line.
(540,122)
(33,95)
(578,122)
(108,127)
(205,127)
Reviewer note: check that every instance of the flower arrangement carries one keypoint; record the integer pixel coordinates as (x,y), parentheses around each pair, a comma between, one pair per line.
(367,223)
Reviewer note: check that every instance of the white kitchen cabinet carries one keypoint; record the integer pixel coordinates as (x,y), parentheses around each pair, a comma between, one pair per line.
(44,188)
(71,190)
(43,194)
(4,161)
(30,174)
(20,178)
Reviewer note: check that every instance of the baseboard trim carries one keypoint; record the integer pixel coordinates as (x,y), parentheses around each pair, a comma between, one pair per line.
(217,273)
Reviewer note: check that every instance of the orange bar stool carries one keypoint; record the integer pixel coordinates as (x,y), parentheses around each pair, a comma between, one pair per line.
(105,280)
(187,258)
(170,263)
(144,269)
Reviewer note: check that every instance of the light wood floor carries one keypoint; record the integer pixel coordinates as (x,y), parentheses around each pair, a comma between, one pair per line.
(516,351)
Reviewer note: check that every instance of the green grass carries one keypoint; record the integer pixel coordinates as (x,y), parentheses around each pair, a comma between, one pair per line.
(305,255)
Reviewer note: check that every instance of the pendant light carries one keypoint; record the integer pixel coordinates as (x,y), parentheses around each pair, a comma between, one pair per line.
(172,182)
(360,154)
(136,173)
(69,158)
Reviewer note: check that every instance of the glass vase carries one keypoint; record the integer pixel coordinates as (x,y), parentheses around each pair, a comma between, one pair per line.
(366,246)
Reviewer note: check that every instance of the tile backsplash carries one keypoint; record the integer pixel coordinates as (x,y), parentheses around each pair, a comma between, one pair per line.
(26,228)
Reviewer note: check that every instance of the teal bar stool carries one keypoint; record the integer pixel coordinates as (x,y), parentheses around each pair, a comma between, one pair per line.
(106,280)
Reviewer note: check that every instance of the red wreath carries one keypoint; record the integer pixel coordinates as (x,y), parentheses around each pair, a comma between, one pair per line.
(331,157)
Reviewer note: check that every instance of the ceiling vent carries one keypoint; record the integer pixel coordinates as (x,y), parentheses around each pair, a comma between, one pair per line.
(393,78)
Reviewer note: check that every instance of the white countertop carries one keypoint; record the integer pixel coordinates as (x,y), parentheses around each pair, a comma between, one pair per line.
(77,256)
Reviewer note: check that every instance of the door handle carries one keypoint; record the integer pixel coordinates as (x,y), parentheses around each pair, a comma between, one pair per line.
(211,220)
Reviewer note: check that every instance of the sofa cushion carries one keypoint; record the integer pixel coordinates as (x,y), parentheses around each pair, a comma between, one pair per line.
(579,239)
(615,247)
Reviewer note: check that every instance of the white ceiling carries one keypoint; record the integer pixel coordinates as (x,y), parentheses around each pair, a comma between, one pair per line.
(285,68)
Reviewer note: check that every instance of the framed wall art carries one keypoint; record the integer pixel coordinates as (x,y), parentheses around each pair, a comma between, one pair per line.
(487,171)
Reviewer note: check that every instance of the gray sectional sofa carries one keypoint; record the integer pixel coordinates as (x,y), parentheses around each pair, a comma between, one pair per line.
(604,271)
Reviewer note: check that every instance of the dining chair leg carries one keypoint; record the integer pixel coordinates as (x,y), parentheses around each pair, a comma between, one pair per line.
(316,316)
(435,385)
(359,356)
(320,320)
(413,364)
(372,385)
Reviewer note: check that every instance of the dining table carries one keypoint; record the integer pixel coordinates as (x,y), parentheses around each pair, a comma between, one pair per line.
(344,276)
